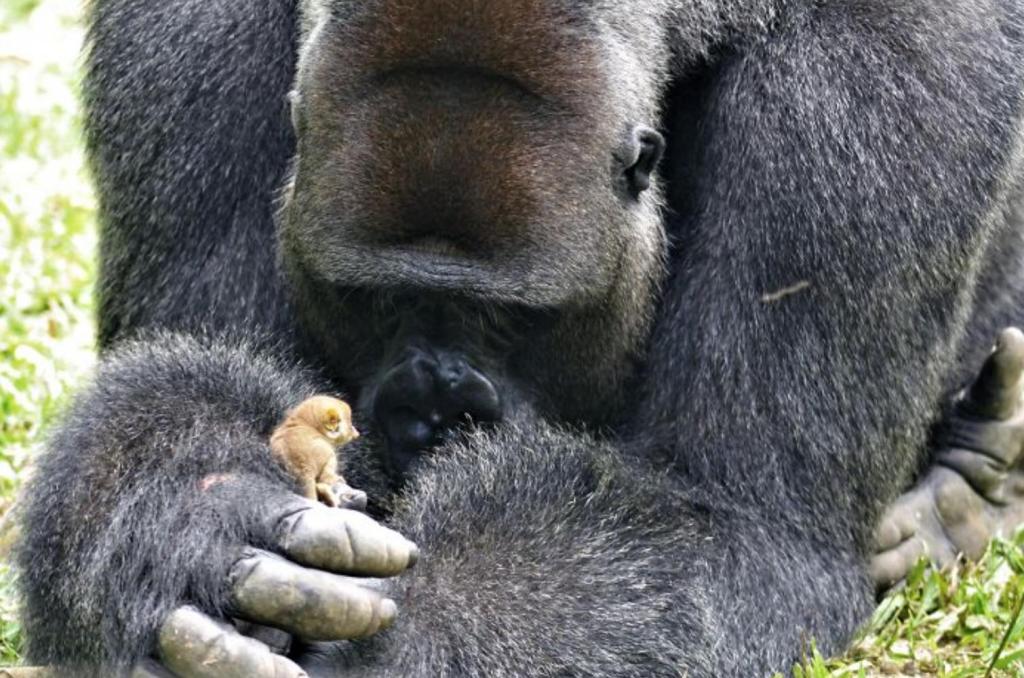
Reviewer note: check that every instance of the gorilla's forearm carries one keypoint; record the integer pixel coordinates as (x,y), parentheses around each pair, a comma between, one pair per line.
(543,551)
(547,552)
(778,584)
(128,513)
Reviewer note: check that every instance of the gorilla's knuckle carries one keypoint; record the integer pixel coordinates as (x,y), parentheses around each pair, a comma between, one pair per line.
(248,562)
(346,545)
(292,526)
(219,651)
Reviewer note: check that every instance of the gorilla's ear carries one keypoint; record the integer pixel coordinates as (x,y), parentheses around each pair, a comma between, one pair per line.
(640,155)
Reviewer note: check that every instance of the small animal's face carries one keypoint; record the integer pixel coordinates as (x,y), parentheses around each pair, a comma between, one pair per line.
(336,423)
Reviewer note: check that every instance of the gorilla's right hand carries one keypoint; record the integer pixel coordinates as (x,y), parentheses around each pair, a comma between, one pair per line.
(309,591)
(157,490)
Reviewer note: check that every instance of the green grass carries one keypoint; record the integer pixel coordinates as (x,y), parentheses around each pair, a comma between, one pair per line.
(941,624)
(958,623)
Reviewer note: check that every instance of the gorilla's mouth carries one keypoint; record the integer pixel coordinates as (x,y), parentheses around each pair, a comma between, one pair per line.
(425,266)
(471,77)
(430,263)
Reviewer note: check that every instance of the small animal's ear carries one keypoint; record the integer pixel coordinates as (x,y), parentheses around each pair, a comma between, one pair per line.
(639,156)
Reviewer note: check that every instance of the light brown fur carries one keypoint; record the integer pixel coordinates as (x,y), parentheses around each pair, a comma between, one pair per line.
(305,443)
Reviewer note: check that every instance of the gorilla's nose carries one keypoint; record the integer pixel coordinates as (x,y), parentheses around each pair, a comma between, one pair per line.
(424,397)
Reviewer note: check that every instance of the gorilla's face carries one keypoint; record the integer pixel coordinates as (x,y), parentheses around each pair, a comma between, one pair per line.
(496,155)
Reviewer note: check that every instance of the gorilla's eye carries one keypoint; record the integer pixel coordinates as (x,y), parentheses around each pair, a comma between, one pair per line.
(640,156)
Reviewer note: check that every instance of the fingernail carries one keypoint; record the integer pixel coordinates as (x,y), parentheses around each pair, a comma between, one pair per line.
(388,612)
(414,554)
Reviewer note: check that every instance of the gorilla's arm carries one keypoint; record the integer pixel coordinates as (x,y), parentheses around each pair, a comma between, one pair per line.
(848,173)
(187,131)
(844,180)
(159,489)
(549,553)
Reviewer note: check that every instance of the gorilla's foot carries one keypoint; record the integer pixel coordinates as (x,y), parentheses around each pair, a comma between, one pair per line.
(975,488)
(427,394)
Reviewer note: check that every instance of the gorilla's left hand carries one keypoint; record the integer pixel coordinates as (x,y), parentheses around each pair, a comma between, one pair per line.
(974,490)
(310,591)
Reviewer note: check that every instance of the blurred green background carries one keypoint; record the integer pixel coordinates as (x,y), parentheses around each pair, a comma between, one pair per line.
(959,623)
(47,243)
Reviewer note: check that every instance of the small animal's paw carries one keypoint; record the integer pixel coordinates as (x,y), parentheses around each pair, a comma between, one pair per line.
(325,493)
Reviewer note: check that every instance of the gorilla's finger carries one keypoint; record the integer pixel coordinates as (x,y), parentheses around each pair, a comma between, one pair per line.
(193,645)
(982,451)
(892,566)
(995,394)
(312,604)
(342,541)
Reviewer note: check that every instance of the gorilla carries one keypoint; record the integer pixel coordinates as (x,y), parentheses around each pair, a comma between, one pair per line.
(648,311)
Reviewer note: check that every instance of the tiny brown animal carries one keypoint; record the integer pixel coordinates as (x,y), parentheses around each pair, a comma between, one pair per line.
(305,443)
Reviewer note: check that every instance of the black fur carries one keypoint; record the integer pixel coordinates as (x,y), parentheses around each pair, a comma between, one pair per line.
(842,187)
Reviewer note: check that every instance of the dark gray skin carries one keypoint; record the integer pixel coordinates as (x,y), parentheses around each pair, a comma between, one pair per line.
(637,424)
